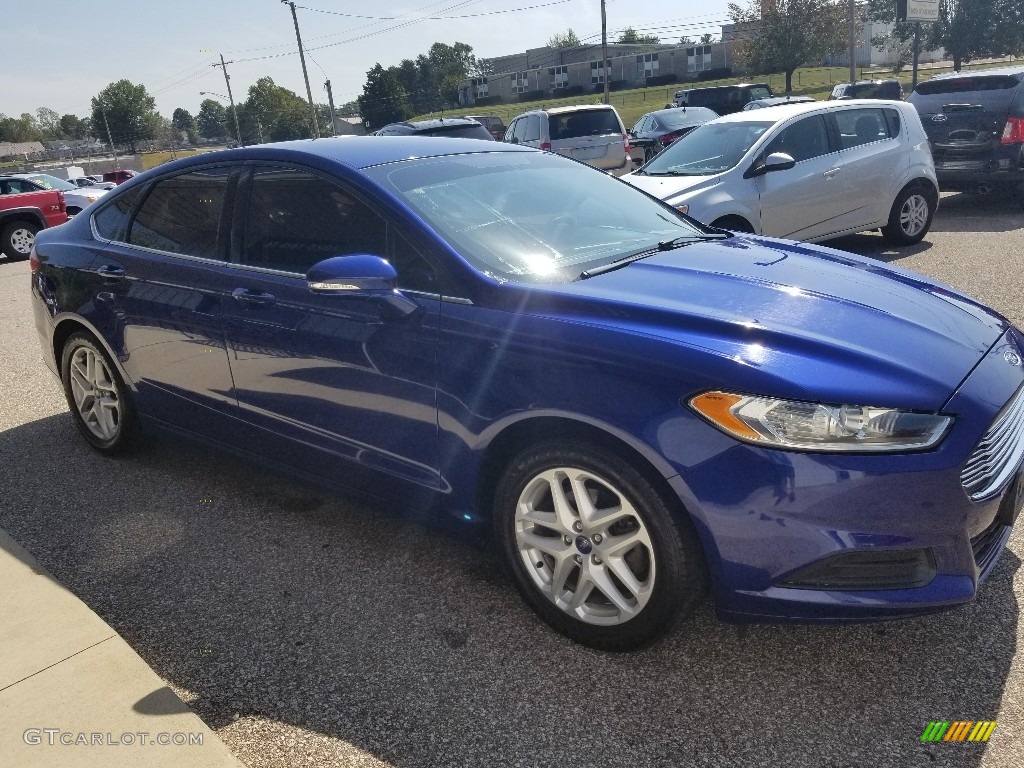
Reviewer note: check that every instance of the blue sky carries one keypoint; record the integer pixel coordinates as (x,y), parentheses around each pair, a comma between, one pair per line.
(64,54)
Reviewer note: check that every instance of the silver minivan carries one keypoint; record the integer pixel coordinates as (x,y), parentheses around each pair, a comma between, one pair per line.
(591,133)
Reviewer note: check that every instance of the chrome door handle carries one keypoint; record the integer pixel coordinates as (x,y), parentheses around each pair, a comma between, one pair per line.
(255,298)
(110,272)
(831,172)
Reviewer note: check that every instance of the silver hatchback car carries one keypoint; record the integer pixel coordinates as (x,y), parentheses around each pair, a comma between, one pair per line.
(591,133)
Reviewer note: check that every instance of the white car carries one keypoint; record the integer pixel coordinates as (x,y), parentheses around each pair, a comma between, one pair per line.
(75,197)
(803,171)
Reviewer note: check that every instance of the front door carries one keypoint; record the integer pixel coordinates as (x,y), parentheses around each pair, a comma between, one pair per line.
(348,384)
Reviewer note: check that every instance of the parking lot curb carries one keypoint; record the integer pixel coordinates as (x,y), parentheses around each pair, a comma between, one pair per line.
(73,693)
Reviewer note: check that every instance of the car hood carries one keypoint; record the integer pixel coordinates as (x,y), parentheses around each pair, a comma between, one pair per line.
(668,188)
(781,318)
(82,194)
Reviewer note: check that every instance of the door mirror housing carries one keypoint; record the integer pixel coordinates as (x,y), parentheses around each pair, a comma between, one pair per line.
(360,275)
(776,161)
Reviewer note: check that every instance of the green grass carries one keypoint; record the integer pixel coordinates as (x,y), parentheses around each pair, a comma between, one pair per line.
(153,159)
(816,82)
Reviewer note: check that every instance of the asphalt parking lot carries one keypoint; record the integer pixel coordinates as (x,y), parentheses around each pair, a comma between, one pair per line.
(308,630)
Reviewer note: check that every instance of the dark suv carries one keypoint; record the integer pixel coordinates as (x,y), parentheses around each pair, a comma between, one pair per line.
(449,127)
(975,124)
(869,89)
(723,99)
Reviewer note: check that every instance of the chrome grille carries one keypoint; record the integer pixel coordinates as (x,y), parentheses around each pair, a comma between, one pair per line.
(999,453)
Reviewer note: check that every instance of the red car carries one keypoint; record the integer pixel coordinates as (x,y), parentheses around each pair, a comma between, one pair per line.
(24,210)
(120,176)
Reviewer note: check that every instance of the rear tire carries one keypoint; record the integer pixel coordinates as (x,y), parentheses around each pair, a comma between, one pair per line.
(910,217)
(17,239)
(100,402)
(594,550)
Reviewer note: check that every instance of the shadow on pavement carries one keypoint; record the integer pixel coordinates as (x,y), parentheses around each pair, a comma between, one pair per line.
(263,598)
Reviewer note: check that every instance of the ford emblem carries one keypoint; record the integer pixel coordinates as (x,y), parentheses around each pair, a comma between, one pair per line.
(1011,357)
(939,118)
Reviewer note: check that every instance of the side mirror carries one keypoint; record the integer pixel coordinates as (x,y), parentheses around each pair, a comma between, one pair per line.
(360,275)
(776,161)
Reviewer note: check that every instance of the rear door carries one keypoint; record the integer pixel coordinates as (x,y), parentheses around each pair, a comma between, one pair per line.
(592,136)
(964,118)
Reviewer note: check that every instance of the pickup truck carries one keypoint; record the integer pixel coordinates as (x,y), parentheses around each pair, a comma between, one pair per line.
(23,213)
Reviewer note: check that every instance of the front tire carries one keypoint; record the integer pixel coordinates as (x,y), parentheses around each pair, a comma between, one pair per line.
(100,402)
(593,548)
(17,240)
(733,224)
(910,217)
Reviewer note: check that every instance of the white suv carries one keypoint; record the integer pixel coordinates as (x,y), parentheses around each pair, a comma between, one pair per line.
(591,133)
(803,171)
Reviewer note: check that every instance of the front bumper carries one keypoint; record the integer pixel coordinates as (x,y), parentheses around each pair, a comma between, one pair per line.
(773,523)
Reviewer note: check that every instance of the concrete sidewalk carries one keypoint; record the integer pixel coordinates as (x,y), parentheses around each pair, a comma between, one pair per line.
(74,694)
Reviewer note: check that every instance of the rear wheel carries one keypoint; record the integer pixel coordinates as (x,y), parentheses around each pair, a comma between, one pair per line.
(17,239)
(733,224)
(97,396)
(593,548)
(910,217)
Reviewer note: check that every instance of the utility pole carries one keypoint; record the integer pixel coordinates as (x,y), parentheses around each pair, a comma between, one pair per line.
(917,53)
(604,49)
(302,58)
(231,98)
(330,101)
(117,163)
(853,43)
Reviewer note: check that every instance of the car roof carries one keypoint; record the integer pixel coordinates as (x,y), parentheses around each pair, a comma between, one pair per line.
(697,112)
(573,108)
(1018,70)
(439,122)
(353,151)
(779,111)
(723,85)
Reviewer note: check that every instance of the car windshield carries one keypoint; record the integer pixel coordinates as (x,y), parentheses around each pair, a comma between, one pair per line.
(708,149)
(531,216)
(51,182)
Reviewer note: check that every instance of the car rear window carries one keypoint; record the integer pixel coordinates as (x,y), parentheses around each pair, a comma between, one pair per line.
(459,132)
(967,84)
(593,122)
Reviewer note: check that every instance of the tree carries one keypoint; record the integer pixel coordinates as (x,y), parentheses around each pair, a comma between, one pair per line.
(567,39)
(787,34)
(130,112)
(684,40)
(212,119)
(274,113)
(630,35)
(74,127)
(18,129)
(383,100)
(182,120)
(706,39)
(971,29)
(49,123)
(449,65)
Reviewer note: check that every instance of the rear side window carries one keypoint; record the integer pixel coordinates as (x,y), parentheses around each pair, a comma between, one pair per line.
(182,214)
(861,126)
(111,221)
(804,139)
(759,92)
(531,128)
(592,122)
(295,219)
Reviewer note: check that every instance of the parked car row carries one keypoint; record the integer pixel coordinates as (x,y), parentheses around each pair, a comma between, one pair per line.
(633,406)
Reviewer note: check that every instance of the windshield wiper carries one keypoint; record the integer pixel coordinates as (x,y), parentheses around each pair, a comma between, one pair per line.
(673,173)
(664,245)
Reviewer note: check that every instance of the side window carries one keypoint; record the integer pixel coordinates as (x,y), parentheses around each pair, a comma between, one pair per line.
(892,117)
(414,271)
(511,130)
(519,132)
(860,126)
(182,214)
(532,128)
(111,221)
(801,140)
(295,219)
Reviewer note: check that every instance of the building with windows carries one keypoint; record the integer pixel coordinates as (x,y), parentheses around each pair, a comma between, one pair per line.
(580,69)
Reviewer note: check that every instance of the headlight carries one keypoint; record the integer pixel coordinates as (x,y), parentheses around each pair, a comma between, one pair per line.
(806,426)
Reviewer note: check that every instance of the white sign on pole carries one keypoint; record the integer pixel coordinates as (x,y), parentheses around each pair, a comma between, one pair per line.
(922,10)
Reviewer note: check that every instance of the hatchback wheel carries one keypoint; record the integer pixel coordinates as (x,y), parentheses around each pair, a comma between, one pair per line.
(17,240)
(593,549)
(910,217)
(97,396)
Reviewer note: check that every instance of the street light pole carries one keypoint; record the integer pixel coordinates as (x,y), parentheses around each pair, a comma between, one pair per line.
(604,49)
(302,58)
(853,43)
(117,163)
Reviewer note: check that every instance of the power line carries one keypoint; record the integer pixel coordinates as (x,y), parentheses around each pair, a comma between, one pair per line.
(439,18)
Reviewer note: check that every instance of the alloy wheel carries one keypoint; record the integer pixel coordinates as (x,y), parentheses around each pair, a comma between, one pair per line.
(914,215)
(585,546)
(95,394)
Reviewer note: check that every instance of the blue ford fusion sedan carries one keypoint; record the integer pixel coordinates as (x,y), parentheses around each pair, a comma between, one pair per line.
(635,406)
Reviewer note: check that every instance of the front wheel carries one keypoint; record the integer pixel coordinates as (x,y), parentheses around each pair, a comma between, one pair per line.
(733,224)
(17,240)
(910,217)
(97,396)
(593,549)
